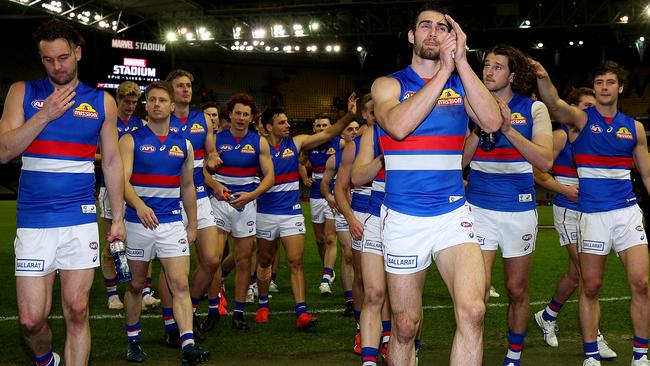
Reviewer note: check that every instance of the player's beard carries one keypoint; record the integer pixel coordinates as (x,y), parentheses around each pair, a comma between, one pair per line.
(426,53)
(65,78)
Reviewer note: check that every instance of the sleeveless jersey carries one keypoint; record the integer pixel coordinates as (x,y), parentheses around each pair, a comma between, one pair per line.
(241,161)
(284,197)
(424,171)
(603,157)
(379,183)
(156,175)
(502,179)
(194,129)
(318,159)
(564,170)
(57,180)
(132,124)
(360,195)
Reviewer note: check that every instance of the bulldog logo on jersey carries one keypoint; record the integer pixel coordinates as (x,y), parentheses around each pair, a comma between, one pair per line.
(248,149)
(85,110)
(176,151)
(331,151)
(197,128)
(37,103)
(517,119)
(287,153)
(624,133)
(449,97)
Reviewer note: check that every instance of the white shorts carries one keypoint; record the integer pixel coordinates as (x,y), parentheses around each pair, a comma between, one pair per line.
(42,251)
(165,241)
(620,229)
(513,232)
(362,217)
(340,223)
(372,241)
(105,211)
(271,226)
(566,224)
(238,224)
(205,214)
(320,210)
(410,242)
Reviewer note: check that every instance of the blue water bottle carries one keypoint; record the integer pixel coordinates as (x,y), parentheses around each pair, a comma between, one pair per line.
(487,141)
(118,251)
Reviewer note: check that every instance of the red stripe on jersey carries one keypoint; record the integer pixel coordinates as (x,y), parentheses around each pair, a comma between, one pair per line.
(198,154)
(381,174)
(237,172)
(605,161)
(503,153)
(285,178)
(72,149)
(318,169)
(422,143)
(155,179)
(565,170)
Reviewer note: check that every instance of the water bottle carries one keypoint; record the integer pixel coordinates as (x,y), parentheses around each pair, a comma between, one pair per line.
(118,251)
(232,197)
(487,140)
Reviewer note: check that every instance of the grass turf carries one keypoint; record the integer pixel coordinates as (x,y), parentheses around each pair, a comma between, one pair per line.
(278,343)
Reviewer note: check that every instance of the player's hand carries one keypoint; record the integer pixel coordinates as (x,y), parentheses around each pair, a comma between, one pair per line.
(191,235)
(57,103)
(505,115)
(242,199)
(571,192)
(147,217)
(212,163)
(460,54)
(539,70)
(308,182)
(352,103)
(447,50)
(356,229)
(220,192)
(117,232)
(332,203)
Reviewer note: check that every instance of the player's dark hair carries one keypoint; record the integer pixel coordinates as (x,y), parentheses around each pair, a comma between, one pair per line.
(160,84)
(56,29)
(577,93)
(269,113)
(430,6)
(614,68)
(517,64)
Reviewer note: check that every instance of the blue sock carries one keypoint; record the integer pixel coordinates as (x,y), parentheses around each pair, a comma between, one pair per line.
(187,340)
(168,318)
(263,301)
(213,304)
(357,316)
(45,360)
(273,275)
(195,303)
(369,356)
(111,286)
(552,310)
(591,350)
(417,344)
(300,308)
(133,332)
(515,345)
(640,347)
(348,296)
(327,274)
(238,311)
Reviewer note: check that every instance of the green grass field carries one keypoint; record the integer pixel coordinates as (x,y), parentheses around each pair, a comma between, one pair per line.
(277,343)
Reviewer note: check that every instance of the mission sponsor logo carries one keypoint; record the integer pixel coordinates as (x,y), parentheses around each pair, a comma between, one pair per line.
(248,149)
(287,153)
(624,133)
(197,128)
(331,151)
(517,119)
(449,97)
(176,151)
(85,110)
(37,103)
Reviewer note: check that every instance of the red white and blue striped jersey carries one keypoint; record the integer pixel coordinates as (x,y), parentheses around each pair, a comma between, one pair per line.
(241,161)
(318,159)
(360,195)
(194,129)
(132,124)
(156,174)
(284,197)
(57,180)
(424,171)
(564,170)
(379,183)
(603,157)
(502,179)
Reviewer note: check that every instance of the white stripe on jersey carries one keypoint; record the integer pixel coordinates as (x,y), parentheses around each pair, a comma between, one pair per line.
(604,173)
(284,187)
(423,162)
(198,163)
(57,165)
(379,186)
(364,191)
(567,181)
(316,175)
(502,167)
(235,181)
(157,192)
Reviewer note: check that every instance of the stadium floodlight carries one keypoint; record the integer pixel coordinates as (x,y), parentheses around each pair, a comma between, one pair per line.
(539,45)
(298,31)
(337,48)
(314,26)
(236,32)
(171,36)
(525,24)
(359,48)
(623,19)
(278,31)
(328,48)
(259,33)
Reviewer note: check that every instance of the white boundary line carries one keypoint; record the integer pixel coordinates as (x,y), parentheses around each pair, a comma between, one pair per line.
(120,315)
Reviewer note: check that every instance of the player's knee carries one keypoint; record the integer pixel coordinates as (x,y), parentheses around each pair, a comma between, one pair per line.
(591,286)
(406,327)
(471,313)
(136,285)
(31,323)
(373,296)
(178,286)
(639,287)
(76,311)
(574,279)
(516,290)
(295,263)
(211,264)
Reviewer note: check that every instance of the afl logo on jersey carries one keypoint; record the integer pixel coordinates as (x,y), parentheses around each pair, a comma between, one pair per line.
(85,110)
(176,151)
(595,128)
(248,149)
(37,103)
(287,153)
(174,129)
(225,147)
(449,97)
(331,151)
(624,133)
(517,119)
(407,95)
(197,128)
(147,149)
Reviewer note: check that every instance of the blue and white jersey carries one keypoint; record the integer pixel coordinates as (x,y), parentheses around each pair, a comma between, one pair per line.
(318,159)
(241,161)
(194,129)
(564,170)
(57,180)
(360,195)
(284,197)
(502,179)
(603,157)
(424,171)
(124,127)
(379,183)
(156,174)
